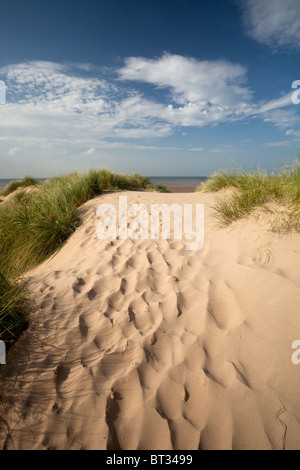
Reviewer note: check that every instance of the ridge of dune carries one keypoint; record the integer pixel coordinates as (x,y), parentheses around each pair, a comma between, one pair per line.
(21,189)
(142,344)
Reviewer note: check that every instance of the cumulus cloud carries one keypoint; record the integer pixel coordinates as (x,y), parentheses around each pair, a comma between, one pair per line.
(191,81)
(199,92)
(54,101)
(202,93)
(275,23)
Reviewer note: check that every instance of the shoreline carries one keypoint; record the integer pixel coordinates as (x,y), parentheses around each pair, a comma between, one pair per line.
(181,189)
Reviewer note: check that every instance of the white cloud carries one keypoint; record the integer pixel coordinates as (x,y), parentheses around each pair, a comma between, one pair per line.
(282,143)
(282,118)
(202,92)
(275,23)
(63,110)
(103,144)
(13,151)
(281,102)
(223,149)
(89,152)
(296,134)
(52,101)
(191,81)
(199,92)
(48,100)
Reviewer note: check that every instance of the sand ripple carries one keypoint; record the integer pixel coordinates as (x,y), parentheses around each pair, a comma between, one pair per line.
(144,345)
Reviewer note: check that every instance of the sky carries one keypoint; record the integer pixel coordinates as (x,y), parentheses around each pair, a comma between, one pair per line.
(157,87)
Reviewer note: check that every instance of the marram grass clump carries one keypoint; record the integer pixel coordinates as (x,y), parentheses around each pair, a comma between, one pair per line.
(278,193)
(23,183)
(13,309)
(33,226)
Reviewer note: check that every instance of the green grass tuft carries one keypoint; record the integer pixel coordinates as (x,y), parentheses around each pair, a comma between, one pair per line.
(253,190)
(13,309)
(23,183)
(158,188)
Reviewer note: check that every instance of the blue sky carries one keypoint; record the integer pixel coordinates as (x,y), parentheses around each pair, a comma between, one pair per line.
(159,87)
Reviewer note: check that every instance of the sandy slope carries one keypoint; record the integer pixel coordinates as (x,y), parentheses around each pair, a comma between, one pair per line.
(145,345)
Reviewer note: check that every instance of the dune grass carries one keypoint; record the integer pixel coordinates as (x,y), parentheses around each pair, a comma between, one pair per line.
(35,225)
(13,309)
(259,189)
(23,183)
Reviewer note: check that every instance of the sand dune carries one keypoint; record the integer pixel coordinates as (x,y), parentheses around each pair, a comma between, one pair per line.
(142,344)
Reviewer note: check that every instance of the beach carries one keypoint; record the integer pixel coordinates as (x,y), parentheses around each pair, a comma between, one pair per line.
(138,344)
(179,184)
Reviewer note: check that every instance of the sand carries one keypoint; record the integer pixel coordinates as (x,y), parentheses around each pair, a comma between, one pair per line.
(180,189)
(142,344)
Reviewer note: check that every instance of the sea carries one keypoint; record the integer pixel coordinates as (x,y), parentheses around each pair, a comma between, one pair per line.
(172,183)
(180,184)
(5,181)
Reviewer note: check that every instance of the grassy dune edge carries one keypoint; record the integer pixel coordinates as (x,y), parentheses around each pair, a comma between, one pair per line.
(23,183)
(34,225)
(278,193)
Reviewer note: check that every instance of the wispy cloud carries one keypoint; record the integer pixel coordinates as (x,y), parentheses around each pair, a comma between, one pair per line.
(294,133)
(282,118)
(282,143)
(90,151)
(281,102)
(222,149)
(13,151)
(275,23)
(54,101)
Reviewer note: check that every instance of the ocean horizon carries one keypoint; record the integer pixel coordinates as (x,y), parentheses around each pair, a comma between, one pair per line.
(171,182)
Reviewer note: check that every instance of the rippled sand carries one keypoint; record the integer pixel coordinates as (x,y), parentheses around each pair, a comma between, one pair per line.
(142,344)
